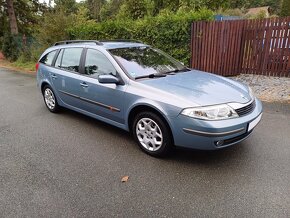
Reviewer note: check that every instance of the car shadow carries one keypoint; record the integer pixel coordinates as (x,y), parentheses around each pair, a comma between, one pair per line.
(181,155)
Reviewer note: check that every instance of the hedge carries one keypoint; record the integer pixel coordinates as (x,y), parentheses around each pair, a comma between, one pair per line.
(168,32)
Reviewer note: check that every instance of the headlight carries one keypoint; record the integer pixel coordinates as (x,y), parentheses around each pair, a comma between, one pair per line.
(216,112)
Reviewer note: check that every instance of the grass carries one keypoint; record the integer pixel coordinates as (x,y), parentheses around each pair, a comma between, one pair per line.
(29,66)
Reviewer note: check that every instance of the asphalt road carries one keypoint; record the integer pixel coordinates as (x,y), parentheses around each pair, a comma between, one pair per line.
(69,165)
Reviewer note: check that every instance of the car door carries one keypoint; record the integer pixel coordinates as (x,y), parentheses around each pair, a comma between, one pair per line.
(105,100)
(66,77)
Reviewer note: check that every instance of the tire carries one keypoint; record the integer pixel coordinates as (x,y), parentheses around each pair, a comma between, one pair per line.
(50,99)
(152,134)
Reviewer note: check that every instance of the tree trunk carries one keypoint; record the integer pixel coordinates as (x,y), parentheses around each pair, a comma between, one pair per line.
(12,17)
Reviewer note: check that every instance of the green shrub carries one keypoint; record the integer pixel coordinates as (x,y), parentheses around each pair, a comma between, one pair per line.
(8,43)
(168,31)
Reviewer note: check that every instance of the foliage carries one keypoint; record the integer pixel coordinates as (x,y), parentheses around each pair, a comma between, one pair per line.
(231,12)
(169,31)
(9,42)
(285,11)
(26,65)
(95,8)
(66,6)
(133,9)
(110,9)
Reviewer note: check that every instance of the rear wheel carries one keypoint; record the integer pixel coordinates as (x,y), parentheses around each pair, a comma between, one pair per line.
(50,99)
(152,134)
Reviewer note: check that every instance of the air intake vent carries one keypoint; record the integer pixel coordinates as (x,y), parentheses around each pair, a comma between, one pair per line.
(247,109)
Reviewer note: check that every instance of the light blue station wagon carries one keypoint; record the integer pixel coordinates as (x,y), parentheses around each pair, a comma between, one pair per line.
(143,90)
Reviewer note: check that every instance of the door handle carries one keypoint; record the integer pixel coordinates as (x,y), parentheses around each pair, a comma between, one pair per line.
(53,76)
(84,85)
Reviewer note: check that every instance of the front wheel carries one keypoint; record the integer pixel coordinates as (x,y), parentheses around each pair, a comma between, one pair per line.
(152,134)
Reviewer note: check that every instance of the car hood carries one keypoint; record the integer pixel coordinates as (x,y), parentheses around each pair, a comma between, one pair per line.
(201,88)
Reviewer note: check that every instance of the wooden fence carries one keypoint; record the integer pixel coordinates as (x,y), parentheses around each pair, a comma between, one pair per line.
(242,46)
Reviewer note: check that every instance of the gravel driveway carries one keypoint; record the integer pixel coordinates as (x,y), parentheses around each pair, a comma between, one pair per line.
(267,88)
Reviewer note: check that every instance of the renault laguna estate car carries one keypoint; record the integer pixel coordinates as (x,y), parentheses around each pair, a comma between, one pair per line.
(141,89)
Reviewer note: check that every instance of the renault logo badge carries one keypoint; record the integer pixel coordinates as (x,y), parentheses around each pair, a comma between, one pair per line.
(244,97)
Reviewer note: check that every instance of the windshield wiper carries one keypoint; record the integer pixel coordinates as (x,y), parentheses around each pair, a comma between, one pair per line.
(153,75)
(177,70)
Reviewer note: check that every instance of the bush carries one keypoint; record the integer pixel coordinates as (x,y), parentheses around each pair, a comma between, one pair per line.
(168,31)
(9,42)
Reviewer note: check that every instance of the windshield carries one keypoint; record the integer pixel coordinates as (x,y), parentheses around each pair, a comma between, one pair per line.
(143,61)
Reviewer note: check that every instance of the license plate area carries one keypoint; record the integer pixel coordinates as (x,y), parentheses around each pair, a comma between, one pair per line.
(254,122)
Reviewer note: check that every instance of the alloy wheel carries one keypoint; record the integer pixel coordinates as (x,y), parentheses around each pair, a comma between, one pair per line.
(149,134)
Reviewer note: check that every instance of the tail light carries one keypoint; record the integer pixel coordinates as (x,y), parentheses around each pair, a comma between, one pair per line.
(37,66)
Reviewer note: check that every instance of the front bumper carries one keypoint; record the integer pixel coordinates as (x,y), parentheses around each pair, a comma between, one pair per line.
(211,135)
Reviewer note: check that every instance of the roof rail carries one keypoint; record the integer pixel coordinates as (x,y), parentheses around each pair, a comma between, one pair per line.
(77,41)
(121,40)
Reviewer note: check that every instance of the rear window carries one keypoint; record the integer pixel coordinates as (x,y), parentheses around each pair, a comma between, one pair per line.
(71,59)
(48,58)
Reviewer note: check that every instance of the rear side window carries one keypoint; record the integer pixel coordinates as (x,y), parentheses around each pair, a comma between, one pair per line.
(48,58)
(71,59)
(58,60)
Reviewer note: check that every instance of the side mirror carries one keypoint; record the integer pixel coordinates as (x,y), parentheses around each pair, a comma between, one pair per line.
(108,79)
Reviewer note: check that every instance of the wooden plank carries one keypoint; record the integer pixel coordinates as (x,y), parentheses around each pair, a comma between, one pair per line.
(242,46)
(211,47)
(278,61)
(236,49)
(283,46)
(229,47)
(248,46)
(261,46)
(191,45)
(193,39)
(225,48)
(207,47)
(287,51)
(214,44)
(266,46)
(255,46)
(197,46)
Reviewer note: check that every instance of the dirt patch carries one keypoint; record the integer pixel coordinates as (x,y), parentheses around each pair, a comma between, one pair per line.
(1,56)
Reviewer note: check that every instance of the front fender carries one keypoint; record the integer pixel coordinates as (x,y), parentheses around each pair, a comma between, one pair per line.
(167,111)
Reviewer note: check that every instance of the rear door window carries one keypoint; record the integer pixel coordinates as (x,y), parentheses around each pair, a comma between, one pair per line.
(71,59)
(48,58)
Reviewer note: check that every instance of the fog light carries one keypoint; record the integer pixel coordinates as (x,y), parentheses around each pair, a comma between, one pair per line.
(219,143)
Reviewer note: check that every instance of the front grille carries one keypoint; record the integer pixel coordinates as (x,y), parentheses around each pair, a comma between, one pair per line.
(246,110)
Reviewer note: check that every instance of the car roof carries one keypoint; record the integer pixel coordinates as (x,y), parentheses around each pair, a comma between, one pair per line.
(115,45)
(107,44)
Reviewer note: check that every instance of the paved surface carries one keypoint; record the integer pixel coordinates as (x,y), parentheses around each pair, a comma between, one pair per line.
(71,166)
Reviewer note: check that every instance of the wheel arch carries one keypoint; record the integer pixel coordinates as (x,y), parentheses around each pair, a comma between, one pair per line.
(143,107)
(43,84)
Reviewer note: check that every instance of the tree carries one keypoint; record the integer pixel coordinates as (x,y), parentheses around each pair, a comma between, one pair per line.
(67,6)
(285,10)
(94,7)
(110,9)
(12,17)
(133,9)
